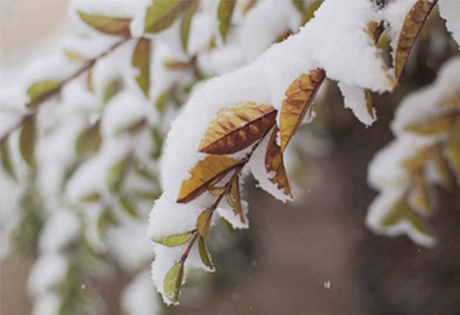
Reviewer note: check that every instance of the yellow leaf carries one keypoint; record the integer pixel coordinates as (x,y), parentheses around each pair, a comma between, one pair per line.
(204,222)
(107,25)
(418,194)
(300,95)
(163,13)
(412,25)
(274,165)
(173,282)
(237,127)
(185,25)
(453,150)
(89,82)
(73,56)
(443,169)
(436,126)
(27,141)
(419,159)
(141,61)
(204,172)
(174,240)
(40,91)
(224,14)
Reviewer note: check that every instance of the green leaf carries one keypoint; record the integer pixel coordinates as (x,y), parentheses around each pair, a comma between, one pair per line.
(91,197)
(224,15)
(173,282)
(104,221)
(161,101)
(6,158)
(147,195)
(116,175)
(300,6)
(107,25)
(144,172)
(128,206)
(40,91)
(174,240)
(185,25)
(163,13)
(112,89)
(141,60)
(27,141)
(204,254)
(204,222)
(89,141)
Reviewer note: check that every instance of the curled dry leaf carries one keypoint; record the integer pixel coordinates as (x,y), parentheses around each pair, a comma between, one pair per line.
(234,199)
(412,26)
(204,173)
(299,97)
(224,14)
(174,240)
(173,282)
(163,13)
(274,164)
(107,25)
(204,222)
(237,127)
(141,61)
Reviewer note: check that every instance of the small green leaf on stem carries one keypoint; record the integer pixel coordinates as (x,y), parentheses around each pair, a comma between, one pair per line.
(174,240)
(173,282)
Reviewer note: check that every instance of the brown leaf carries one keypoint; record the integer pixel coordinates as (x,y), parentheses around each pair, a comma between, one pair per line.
(237,127)
(204,172)
(234,199)
(300,95)
(369,107)
(107,25)
(274,164)
(410,31)
(204,222)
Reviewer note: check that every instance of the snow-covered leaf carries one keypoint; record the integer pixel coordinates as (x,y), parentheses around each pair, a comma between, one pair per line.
(434,126)
(453,149)
(418,196)
(116,175)
(237,127)
(204,172)
(299,97)
(419,159)
(443,169)
(111,89)
(89,141)
(107,25)
(224,14)
(275,166)
(141,61)
(127,205)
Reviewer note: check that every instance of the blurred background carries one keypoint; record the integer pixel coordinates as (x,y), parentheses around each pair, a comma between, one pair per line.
(313,256)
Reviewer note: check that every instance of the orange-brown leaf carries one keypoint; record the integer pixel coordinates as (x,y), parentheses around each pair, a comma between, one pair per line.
(204,173)
(234,199)
(410,31)
(237,127)
(300,95)
(274,164)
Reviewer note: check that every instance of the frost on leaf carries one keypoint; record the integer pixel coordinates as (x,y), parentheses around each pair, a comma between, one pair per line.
(163,13)
(107,25)
(274,164)
(410,31)
(141,61)
(27,141)
(40,91)
(237,127)
(299,97)
(224,14)
(203,174)
(173,282)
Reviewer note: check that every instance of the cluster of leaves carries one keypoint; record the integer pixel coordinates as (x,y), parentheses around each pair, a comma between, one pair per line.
(239,129)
